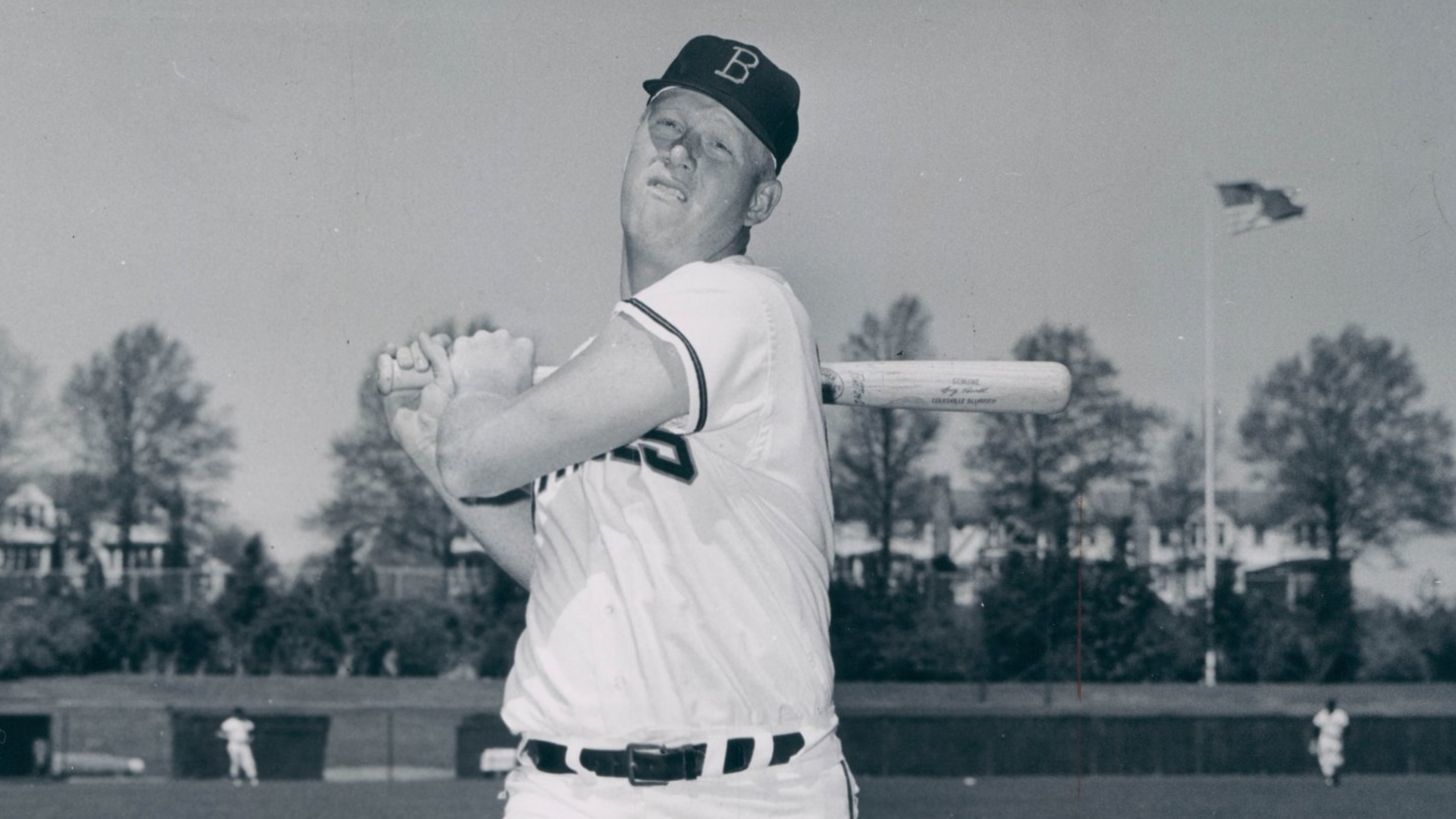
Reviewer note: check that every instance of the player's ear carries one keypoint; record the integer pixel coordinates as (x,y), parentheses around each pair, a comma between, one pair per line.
(766,195)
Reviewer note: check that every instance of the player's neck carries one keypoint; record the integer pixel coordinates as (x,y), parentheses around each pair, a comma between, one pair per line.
(643,266)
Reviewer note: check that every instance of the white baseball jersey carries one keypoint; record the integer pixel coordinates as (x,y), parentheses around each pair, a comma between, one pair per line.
(237,731)
(681,582)
(1331,724)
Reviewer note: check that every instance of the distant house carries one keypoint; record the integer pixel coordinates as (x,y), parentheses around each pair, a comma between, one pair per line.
(31,528)
(1285,582)
(37,542)
(1112,523)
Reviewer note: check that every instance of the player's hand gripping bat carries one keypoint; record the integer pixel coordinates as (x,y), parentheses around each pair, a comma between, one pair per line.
(950,386)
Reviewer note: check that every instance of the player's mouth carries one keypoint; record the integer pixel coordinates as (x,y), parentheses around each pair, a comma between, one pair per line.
(667,189)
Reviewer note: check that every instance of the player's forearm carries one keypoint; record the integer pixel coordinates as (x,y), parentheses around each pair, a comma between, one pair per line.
(468,447)
(488,445)
(503,527)
(623,385)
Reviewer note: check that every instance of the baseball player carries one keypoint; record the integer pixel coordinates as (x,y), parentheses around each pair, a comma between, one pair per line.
(238,731)
(1331,723)
(676,536)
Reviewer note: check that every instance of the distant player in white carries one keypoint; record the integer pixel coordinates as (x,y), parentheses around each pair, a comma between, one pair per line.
(238,731)
(1331,723)
(679,550)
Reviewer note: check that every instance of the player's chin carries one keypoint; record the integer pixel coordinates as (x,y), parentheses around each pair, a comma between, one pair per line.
(658,222)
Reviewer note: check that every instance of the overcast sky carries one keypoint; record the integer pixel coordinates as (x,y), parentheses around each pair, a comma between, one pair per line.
(286,186)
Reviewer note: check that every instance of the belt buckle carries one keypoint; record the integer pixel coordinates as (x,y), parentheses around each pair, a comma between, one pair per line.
(634,749)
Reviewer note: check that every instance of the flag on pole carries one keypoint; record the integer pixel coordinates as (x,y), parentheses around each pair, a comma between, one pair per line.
(1251,206)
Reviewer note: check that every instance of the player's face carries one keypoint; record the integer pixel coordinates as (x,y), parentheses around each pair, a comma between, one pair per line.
(692,180)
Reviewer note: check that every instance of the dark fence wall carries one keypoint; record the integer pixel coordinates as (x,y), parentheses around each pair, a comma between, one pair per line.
(476,733)
(285,746)
(1131,746)
(20,755)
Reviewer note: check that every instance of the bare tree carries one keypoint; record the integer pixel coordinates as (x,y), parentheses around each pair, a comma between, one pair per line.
(876,477)
(145,430)
(379,495)
(1037,465)
(21,404)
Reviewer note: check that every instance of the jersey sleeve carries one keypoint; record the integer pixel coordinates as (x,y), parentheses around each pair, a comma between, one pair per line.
(715,317)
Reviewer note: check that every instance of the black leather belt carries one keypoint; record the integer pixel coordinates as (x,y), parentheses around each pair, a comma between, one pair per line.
(647,764)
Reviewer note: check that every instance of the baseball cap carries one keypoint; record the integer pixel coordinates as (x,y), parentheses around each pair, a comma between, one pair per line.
(764,97)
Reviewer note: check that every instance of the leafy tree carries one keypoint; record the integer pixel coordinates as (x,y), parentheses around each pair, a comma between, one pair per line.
(494,619)
(875,472)
(1179,489)
(183,638)
(20,406)
(345,584)
(145,430)
(1391,646)
(292,636)
(227,543)
(345,590)
(1280,646)
(116,622)
(1128,633)
(46,636)
(898,636)
(1438,643)
(1029,612)
(425,637)
(1232,627)
(1341,438)
(245,596)
(378,494)
(1036,465)
(1346,445)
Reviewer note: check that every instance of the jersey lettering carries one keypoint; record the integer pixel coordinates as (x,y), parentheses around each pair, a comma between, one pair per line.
(679,465)
(659,450)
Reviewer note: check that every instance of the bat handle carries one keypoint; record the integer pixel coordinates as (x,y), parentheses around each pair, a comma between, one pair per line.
(388,377)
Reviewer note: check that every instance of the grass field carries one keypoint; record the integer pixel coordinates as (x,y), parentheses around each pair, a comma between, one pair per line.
(883,798)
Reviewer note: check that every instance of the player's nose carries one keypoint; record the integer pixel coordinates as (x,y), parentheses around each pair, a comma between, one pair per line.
(678,155)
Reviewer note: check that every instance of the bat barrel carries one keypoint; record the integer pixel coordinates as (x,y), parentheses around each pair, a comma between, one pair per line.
(945,386)
(1040,387)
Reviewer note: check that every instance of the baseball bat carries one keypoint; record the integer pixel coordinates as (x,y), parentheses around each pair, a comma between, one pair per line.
(1040,387)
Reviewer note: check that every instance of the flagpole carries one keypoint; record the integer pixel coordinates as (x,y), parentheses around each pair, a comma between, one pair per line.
(1261,207)
(1210,530)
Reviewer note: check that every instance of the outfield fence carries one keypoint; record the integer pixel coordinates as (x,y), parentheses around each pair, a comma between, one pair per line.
(1170,745)
(362,742)
(882,731)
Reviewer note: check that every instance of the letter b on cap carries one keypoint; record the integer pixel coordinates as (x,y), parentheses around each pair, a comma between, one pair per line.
(736,71)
